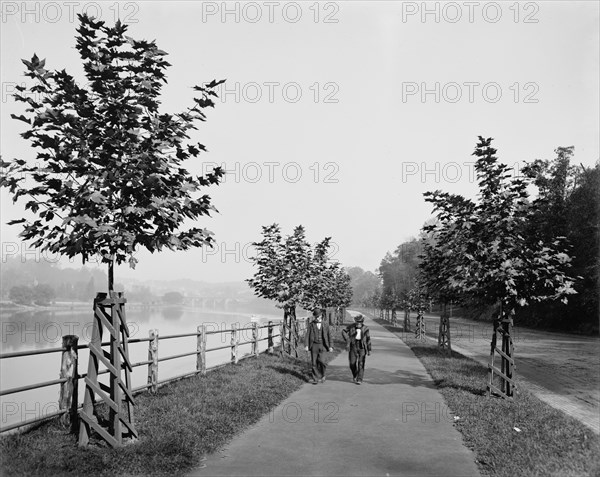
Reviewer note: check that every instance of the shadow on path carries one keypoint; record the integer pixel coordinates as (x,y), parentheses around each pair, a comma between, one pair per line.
(379,376)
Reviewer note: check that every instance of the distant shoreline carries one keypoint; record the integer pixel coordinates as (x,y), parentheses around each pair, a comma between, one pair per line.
(6,306)
(10,306)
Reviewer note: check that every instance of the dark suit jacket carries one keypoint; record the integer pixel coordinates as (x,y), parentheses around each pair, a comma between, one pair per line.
(350,333)
(312,330)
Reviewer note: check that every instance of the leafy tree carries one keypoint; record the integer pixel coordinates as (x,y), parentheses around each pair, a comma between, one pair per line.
(293,274)
(583,227)
(445,250)
(555,181)
(319,278)
(374,299)
(282,273)
(21,294)
(565,193)
(486,255)
(43,294)
(336,288)
(388,271)
(398,272)
(482,248)
(173,298)
(364,284)
(109,176)
(328,284)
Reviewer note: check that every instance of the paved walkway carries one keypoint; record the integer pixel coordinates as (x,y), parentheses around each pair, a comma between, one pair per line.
(395,423)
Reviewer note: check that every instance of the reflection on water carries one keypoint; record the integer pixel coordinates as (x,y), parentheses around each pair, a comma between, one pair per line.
(172,312)
(30,330)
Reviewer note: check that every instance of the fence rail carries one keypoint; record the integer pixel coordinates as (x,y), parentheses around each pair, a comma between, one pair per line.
(152,362)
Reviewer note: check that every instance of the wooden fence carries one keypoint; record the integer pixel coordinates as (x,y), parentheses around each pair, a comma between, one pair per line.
(69,375)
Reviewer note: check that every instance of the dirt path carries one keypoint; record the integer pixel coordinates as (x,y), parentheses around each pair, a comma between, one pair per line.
(560,368)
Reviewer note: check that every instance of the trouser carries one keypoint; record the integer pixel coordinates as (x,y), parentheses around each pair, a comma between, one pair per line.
(357,358)
(318,366)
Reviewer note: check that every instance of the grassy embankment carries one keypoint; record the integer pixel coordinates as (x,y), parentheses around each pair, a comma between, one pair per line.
(547,442)
(184,421)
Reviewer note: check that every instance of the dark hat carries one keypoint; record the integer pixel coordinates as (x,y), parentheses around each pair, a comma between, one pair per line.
(317,312)
(359,319)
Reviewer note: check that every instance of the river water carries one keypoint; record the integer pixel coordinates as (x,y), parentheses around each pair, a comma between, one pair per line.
(43,329)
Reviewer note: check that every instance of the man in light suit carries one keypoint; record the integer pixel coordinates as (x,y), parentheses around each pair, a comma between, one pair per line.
(318,340)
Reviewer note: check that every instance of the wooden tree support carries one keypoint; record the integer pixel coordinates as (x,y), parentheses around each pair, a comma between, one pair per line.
(109,313)
(255,339)
(295,338)
(420,329)
(270,338)
(444,344)
(503,329)
(407,321)
(153,361)
(282,338)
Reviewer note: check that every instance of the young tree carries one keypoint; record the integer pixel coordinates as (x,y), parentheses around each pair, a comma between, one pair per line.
(293,274)
(334,290)
(445,245)
(109,175)
(343,294)
(282,272)
(318,275)
(483,252)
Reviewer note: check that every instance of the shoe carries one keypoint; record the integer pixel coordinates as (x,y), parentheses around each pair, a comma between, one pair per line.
(353,380)
(359,381)
(322,380)
(314,381)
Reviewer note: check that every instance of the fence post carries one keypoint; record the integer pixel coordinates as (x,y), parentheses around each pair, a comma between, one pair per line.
(153,357)
(68,390)
(234,343)
(270,337)
(201,349)
(255,338)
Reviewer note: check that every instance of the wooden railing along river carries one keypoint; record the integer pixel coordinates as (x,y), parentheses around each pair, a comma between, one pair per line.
(69,375)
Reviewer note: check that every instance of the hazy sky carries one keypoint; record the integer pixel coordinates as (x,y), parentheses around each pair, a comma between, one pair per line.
(336,115)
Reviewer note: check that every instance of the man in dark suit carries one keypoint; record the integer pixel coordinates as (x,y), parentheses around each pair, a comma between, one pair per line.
(318,340)
(358,343)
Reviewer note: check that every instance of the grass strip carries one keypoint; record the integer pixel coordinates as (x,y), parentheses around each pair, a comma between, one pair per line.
(184,421)
(547,442)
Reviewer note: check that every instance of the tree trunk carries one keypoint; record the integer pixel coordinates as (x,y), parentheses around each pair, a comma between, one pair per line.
(293,333)
(285,333)
(290,330)
(111,275)
(503,326)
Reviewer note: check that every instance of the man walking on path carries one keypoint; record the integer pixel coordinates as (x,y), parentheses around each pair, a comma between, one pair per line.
(359,347)
(317,340)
